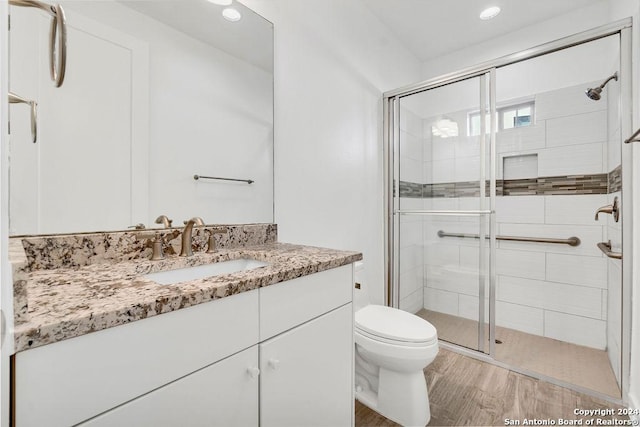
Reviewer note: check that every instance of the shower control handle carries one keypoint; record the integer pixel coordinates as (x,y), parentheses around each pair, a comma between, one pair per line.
(612,209)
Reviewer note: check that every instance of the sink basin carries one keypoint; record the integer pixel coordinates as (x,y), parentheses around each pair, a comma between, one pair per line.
(171,277)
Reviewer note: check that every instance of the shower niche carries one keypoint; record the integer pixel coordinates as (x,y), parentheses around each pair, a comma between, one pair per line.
(497,174)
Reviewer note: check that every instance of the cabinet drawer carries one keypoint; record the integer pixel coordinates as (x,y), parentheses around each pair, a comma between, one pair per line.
(70,381)
(288,304)
(223,394)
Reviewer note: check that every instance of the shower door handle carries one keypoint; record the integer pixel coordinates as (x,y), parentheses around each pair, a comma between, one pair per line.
(605,247)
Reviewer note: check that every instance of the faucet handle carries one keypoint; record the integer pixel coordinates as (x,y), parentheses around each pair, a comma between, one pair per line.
(170,236)
(167,238)
(138,226)
(154,241)
(157,253)
(211,247)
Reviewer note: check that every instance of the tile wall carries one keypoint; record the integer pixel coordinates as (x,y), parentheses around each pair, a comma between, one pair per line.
(557,291)
(412,154)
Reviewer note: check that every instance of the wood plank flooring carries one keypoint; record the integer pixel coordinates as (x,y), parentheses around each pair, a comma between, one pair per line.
(467,392)
(571,363)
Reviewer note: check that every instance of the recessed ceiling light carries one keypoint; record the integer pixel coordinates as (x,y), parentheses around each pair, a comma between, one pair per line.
(490,12)
(231,14)
(221,2)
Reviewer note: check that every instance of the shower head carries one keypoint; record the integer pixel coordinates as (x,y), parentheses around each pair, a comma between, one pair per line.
(594,93)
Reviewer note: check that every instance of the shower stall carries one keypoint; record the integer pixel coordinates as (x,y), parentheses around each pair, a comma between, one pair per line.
(506,204)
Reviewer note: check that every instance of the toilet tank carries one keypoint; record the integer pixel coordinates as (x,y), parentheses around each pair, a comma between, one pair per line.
(360,295)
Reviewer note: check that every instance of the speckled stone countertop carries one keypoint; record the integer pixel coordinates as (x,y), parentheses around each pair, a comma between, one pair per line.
(61,303)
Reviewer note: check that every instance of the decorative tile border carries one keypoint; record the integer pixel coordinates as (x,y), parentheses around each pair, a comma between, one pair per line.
(602,183)
(574,184)
(411,190)
(615,180)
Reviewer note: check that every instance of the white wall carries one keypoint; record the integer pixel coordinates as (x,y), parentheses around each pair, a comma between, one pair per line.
(333,60)
(6,284)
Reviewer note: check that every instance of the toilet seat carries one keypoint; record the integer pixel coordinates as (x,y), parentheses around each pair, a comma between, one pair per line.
(393,326)
(392,342)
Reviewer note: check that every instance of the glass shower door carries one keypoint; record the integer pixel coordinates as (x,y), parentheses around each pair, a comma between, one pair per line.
(558,305)
(442,209)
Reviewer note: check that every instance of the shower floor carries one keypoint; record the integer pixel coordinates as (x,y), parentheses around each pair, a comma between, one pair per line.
(575,364)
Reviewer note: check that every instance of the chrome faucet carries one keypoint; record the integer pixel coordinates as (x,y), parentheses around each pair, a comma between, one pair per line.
(612,209)
(186,235)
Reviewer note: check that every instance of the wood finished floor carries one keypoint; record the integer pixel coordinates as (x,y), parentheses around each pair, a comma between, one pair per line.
(571,363)
(467,392)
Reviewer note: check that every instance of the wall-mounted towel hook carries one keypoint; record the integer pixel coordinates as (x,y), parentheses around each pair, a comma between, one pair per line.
(16,99)
(58,30)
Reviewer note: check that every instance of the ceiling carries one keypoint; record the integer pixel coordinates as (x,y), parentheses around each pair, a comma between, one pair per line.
(432,28)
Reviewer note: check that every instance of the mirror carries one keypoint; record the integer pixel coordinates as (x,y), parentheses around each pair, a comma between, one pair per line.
(155,92)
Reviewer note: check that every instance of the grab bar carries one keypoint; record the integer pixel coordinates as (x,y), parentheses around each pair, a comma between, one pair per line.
(571,241)
(605,247)
(16,99)
(59,29)
(248,181)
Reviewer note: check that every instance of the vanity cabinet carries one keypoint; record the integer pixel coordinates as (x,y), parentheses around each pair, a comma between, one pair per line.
(306,376)
(70,381)
(306,351)
(280,355)
(222,394)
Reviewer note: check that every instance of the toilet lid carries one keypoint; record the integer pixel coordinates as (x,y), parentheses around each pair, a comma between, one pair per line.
(391,323)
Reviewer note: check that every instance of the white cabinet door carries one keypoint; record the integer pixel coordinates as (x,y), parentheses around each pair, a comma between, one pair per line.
(306,373)
(223,394)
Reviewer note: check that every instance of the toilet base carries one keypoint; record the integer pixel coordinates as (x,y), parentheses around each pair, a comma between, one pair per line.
(401,397)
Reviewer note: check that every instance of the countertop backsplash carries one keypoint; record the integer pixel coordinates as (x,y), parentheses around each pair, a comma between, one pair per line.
(77,250)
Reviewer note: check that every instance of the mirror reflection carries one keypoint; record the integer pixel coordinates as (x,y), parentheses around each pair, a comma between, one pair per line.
(154,93)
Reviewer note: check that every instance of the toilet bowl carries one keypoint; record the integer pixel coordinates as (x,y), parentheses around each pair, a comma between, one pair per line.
(392,347)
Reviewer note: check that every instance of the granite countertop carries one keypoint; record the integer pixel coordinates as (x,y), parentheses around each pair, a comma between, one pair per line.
(64,303)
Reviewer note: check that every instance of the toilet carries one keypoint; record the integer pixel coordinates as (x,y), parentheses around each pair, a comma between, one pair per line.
(392,347)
